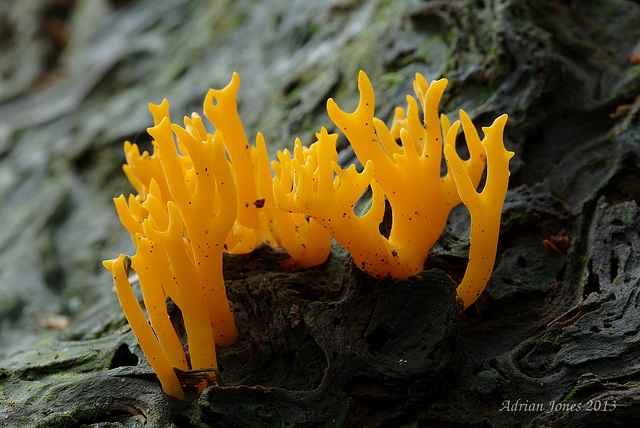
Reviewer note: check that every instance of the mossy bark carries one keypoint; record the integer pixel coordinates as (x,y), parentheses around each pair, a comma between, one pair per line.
(552,341)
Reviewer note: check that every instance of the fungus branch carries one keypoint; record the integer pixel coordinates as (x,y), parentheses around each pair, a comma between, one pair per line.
(485,209)
(419,214)
(179,246)
(306,184)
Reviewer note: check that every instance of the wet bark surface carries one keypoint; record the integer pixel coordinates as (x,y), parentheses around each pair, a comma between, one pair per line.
(553,341)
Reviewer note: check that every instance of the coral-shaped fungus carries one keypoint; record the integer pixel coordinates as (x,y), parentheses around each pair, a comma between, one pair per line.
(258,219)
(179,253)
(196,199)
(408,175)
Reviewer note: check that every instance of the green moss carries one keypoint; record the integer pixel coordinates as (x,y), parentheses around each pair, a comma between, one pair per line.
(313,29)
(390,11)
(393,79)
(568,397)
(487,381)
(552,338)
(626,213)
(512,218)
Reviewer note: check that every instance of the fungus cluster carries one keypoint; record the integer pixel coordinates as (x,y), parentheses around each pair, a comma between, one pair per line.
(199,195)
(408,176)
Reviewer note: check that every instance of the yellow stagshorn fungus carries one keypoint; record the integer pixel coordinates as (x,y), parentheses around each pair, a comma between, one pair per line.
(150,345)
(193,203)
(196,199)
(259,220)
(179,247)
(409,176)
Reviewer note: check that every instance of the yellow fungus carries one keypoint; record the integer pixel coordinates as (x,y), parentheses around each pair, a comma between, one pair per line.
(143,332)
(485,209)
(408,175)
(180,245)
(259,220)
(201,194)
